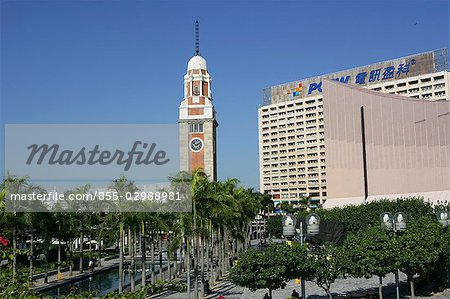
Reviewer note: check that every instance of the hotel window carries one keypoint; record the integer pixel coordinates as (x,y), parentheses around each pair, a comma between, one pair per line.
(196,128)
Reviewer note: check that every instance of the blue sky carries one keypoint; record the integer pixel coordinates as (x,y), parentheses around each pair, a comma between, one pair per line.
(124,61)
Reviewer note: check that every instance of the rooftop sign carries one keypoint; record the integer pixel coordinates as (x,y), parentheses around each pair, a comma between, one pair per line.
(409,66)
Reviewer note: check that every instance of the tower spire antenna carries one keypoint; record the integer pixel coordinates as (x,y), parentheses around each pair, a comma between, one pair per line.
(197,38)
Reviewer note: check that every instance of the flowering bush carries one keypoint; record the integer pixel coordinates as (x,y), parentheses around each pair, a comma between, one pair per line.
(5,252)
(3,241)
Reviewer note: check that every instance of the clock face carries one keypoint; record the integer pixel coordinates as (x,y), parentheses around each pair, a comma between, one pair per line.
(196,144)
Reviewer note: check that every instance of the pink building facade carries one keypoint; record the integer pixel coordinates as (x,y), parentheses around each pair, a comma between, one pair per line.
(407,144)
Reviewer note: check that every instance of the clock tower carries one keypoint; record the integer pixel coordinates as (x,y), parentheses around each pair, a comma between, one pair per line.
(197,118)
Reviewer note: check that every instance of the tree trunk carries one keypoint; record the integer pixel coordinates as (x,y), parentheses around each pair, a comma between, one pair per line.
(224,251)
(153,258)
(138,241)
(380,288)
(90,246)
(161,273)
(175,257)
(213,254)
(59,275)
(143,255)
(208,259)
(270,293)
(81,246)
(71,257)
(14,255)
(131,249)
(99,249)
(411,285)
(195,260)
(330,296)
(134,242)
(251,231)
(182,255)
(135,250)
(202,266)
(46,245)
(169,266)
(216,254)
(129,241)
(188,267)
(219,253)
(233,248)
(31,255)
(120,258)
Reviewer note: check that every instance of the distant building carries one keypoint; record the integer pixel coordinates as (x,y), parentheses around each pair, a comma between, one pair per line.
(292,155)
(406,148)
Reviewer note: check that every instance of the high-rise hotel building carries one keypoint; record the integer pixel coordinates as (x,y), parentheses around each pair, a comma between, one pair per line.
(291,127)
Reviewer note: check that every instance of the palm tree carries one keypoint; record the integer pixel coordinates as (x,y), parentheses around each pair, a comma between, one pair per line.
(248,203)
(71,229)
(266,202)
(143,218)
(121,186)
(16,220)
(182,234)
(222,214)
(46,230)
(183,227)
(32,219)
(82,219)
(201,203)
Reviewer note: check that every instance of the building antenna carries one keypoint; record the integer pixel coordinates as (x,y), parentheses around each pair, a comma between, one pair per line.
(197,38)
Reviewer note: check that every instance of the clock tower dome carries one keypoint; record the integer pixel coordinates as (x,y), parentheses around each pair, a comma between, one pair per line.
(197,118)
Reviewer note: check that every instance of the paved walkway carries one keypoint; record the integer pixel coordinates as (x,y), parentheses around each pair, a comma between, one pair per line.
(342,288)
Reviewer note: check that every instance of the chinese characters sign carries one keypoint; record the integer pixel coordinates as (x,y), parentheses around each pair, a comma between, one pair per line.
(401,68)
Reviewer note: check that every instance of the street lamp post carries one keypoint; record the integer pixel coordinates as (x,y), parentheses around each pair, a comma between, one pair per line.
(312,229)
(444,219)
(396,223)
(302,242)
(289,232)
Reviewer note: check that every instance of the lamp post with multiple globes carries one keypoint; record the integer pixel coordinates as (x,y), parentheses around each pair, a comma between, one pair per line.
(289,223)
(396,223)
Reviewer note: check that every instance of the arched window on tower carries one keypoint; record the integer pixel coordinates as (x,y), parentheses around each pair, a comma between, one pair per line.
(196,89)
